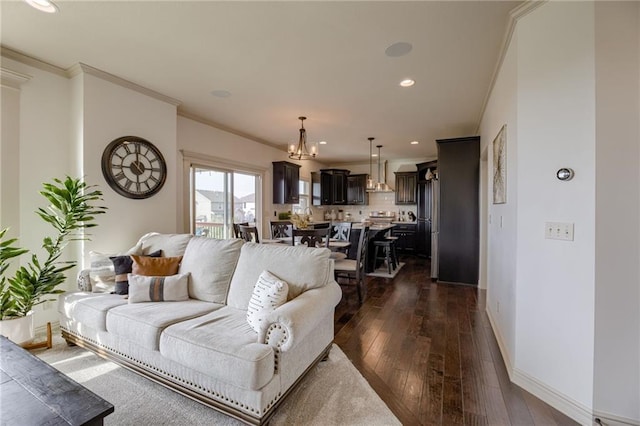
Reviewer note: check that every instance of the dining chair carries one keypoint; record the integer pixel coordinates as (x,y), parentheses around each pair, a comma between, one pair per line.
(311,237)
(236,229)
(280,229)
(341,231)
(249,233)
(353,270)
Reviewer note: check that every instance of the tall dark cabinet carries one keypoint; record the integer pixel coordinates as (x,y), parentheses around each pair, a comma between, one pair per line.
(357,190)
(459,212)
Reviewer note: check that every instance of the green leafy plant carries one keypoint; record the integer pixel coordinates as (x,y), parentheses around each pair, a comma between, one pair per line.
(71,210)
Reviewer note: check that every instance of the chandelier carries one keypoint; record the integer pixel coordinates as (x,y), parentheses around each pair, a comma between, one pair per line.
(300,151)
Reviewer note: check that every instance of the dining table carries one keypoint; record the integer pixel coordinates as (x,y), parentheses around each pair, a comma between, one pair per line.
(334,244)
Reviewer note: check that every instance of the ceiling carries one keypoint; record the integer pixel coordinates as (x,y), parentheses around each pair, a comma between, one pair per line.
(279,60)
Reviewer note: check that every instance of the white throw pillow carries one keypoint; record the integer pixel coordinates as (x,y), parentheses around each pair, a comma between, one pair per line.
(102,273)
(268,293)
(173,288)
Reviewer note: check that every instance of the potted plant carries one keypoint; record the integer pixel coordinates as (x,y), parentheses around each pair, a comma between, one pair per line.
(71,210)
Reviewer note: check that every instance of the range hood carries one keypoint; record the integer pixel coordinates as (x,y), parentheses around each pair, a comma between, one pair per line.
(381,185)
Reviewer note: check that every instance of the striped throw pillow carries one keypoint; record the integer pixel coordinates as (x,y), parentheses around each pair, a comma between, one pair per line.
(173,288)
(268,293)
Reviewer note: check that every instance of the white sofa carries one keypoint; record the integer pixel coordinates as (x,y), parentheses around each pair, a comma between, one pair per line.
(204,347)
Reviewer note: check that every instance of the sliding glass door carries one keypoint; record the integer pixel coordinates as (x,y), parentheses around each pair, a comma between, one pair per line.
(220,198)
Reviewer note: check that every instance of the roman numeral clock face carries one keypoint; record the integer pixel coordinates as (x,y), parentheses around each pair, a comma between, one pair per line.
(134,167)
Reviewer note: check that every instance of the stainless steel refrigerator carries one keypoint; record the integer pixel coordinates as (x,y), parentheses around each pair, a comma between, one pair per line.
(435,226)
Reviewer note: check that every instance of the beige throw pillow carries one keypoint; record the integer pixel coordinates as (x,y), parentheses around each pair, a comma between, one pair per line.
(173,288)
(268,293)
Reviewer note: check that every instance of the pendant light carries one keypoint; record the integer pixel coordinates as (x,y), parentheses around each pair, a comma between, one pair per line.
(301,152)
(371,185)
(381,186)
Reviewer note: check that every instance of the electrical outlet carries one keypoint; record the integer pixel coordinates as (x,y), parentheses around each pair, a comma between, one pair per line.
(558,231)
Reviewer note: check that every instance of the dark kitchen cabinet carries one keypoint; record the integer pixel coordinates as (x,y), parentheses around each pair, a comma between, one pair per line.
(332,185)
(406,187)
(459,226)
(357,190)
(406,233)
(286,182)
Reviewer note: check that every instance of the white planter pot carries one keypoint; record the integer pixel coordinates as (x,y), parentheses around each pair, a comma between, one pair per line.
(18,330)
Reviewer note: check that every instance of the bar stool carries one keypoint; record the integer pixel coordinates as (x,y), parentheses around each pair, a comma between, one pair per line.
(388,246)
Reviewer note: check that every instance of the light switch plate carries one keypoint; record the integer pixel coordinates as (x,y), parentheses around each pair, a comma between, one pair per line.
(558,231)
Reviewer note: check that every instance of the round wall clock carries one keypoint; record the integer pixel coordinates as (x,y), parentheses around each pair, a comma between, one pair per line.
(134,167)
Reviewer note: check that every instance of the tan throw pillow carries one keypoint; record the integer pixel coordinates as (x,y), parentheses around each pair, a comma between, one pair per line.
(155,266)
(173,288)
(268,293)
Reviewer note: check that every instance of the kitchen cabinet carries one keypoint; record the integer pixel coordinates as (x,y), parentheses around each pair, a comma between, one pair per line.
(357,190)
(331,185)
(406,187)
(459,227)
(406,233)
(286,182)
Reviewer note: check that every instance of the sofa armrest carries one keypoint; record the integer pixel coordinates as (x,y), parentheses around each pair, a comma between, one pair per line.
(297,318)
(84,280)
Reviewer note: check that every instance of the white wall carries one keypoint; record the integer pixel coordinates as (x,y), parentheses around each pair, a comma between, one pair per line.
(501,229)
(556,128)
(43,154)
(617,306)
(109,112)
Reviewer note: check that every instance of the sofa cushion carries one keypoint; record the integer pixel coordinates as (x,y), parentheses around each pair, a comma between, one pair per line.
(89,309)
(172,245)
(122,267)
(173,288)
(211,263)
(301,267)
(221,345)
(268,293)
(155,266)
(142,323)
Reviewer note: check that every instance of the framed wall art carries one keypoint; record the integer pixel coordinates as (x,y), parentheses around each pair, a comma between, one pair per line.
(500,167)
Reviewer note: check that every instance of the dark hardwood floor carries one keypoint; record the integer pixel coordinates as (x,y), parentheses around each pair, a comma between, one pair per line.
(428,350)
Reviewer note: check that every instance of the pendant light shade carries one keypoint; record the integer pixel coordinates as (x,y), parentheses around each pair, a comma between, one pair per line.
(371,185)
(381,185)
(300,151)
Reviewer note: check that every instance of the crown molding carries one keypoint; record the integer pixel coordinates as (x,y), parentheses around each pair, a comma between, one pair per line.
(80,68)
(205,121)
(31,61)
(514,16)
(12,79)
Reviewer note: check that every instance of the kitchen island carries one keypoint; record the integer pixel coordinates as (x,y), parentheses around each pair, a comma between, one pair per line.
(377,232)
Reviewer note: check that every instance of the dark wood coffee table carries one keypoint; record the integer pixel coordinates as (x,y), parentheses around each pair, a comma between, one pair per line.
(34,393)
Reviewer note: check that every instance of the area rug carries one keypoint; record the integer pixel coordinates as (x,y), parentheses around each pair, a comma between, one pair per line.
(383,271)
(333,393)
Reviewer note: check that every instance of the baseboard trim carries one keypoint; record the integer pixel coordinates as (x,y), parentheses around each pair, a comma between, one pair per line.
(557,400)
(609,419)
(501,345)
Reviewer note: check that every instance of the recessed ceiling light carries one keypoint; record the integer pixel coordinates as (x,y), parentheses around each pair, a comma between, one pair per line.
(322,142)
(414,142)
(221,93)
(400,48)
(407,82)
(43,5)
